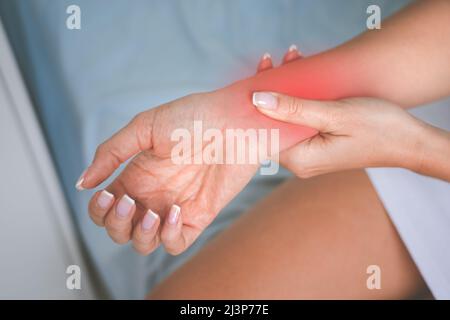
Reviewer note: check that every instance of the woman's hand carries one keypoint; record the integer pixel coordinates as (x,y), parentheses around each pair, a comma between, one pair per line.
(154,200)
(353,133)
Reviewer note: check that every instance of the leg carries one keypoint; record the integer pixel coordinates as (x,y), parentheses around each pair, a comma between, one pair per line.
(308,239)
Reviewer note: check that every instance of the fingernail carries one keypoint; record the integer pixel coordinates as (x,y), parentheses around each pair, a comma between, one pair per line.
(149,220)
(174,214)
(104,199)
(265,100)
(124,206)
(266,56)
(292,48)
(79,184)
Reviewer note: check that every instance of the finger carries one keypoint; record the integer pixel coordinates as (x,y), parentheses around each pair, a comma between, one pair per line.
(265,63)
(130,140)
(319,115)
(171,233)
(99,205)
(145,234)
(118,221)
(292,54)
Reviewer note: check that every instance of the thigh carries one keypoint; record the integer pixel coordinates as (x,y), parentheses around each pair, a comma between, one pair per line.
(310,238)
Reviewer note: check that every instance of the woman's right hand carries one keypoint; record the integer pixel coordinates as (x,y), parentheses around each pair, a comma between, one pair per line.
(156,200)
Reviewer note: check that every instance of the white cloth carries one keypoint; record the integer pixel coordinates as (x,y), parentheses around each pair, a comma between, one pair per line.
(419,207)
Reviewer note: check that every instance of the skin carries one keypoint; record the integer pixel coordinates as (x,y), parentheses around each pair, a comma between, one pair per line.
(390,137)
(309,239)
(156,183)
(323,214)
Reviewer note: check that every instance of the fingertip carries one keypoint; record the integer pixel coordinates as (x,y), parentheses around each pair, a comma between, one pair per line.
(293,48)
(266,56)
(145,235)
(79,185)
(149,221)
(265,62)
(292,54)
(98,207)
(87,179)
(171,233)
(125,207)
(105,199)
(174,214)
(265,100)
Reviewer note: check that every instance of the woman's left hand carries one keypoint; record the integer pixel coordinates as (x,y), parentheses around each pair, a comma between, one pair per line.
(353,133)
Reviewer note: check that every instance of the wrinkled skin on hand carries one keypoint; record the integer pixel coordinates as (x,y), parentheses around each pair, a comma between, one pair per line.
(156,182)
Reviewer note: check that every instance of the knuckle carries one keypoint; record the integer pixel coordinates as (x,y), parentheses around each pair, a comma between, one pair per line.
(334,119)
(293,106)
(101,149)
(116,228)
(142,125)
(139,118)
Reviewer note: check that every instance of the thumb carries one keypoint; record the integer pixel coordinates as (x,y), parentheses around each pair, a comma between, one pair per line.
(130,140)
(311,113)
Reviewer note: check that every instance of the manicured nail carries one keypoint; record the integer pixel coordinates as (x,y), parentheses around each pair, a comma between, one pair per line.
(104,199)
(265,100)
(79,184)
(292,48)
(149,220)
(266,56)
(124,206)
(174,214)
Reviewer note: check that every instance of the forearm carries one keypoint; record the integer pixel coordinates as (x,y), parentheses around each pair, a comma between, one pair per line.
(433,155)
(405,62)
(334,74)
(409,57)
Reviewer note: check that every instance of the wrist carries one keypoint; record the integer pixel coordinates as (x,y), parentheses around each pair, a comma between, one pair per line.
(332,75)
(236,102)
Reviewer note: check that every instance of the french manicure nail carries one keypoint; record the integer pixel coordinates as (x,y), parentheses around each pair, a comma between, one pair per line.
(104,199)
(149,220)
(292,48)
(265,100)
(266,56)
(124,206)
(174,214)
(79,184)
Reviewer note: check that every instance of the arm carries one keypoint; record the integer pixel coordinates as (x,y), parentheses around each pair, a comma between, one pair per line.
(370,65)
(406,62)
